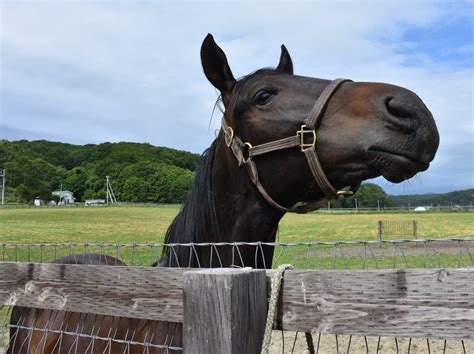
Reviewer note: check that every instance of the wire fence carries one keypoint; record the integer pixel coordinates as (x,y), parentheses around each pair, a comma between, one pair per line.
(397,228)
(67,332)
(454,252)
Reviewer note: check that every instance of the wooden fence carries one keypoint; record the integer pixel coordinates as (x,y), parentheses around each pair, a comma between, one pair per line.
(427,303)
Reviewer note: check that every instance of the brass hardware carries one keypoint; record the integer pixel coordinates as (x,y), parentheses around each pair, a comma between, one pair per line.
(301,134)
(228,136)
(345,193)
(249,147)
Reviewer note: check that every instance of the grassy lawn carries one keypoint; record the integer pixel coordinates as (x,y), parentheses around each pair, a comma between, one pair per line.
(352,226)
(133,224)
(149,224)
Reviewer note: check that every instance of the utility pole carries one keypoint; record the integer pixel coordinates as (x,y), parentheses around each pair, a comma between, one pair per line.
(355,200)
(110,195)
(3,173)
(107,189)
(378,205)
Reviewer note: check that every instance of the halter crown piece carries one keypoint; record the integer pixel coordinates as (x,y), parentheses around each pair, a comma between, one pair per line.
(300,139)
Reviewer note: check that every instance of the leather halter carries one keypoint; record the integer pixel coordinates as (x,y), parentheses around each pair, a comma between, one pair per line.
(244,153)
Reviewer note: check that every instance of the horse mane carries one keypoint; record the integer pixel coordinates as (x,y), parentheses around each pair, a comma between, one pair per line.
(197,219)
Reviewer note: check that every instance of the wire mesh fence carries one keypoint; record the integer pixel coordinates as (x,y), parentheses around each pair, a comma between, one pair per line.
(451,252)
(48,331)
(396,228)
(67,332)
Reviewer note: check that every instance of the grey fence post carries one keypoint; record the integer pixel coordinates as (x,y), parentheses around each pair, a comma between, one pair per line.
(379,230)
(224,310)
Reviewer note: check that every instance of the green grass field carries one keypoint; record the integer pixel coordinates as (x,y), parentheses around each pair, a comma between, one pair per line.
(144,225)
(149,224)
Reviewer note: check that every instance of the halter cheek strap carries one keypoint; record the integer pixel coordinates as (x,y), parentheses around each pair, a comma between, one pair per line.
(305,138)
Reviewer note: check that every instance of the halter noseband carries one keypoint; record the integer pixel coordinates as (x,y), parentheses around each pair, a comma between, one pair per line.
(307,130)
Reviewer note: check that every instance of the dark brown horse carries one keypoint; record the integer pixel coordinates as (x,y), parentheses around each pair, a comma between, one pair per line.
(287,143)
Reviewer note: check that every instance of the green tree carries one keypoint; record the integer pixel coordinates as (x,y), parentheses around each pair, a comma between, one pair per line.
(135,190)
(368,195)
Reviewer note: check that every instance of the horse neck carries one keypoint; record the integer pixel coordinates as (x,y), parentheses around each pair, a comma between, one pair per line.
(223,206)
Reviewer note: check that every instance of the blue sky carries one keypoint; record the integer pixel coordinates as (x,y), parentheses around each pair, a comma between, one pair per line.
(89,72)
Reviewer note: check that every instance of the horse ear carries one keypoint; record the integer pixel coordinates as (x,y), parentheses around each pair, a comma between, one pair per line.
(285,65)
(216,68)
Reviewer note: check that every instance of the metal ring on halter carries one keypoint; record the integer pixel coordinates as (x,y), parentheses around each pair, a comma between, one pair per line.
(249,147)
(228,136)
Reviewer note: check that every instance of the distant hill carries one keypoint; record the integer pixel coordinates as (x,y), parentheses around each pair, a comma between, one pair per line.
(139,172)
(142,173)
(462,197)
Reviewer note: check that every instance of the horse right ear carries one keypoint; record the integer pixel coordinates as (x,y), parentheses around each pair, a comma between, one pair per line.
(216,67)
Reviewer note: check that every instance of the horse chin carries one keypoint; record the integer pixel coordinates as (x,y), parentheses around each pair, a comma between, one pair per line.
(396,167)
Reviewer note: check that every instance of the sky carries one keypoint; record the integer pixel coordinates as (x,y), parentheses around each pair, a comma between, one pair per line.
(88,72)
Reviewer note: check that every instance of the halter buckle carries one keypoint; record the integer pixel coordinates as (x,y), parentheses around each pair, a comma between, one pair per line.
(228,136)
(301,133)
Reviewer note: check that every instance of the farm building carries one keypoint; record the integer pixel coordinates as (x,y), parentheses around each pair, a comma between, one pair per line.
(94,202)
(65,197)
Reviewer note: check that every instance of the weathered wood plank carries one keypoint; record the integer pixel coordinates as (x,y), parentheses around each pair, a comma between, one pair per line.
(149,293)
(224,311)
(435,303)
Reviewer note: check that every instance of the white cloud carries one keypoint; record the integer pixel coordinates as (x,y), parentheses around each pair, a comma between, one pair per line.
(89,71)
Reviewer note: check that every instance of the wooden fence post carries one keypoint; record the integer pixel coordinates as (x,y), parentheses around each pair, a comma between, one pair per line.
(224,310)
(379,230)
(414,229)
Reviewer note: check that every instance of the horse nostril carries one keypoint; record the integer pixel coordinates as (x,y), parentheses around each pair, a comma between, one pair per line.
(400,114)
(399,108)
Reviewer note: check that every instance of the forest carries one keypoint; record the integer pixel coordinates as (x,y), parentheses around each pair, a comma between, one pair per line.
(138,172)
(142,173)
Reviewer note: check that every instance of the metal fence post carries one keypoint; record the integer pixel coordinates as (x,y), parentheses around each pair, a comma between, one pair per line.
(224,310)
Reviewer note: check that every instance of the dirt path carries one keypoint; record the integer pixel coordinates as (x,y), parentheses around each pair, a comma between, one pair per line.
(408,248)
(328,344)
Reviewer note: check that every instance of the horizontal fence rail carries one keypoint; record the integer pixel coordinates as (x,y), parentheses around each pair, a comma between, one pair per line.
(406,303)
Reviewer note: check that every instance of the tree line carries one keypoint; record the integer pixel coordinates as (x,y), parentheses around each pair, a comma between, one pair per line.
(462,197)
(142,173)
(139,172)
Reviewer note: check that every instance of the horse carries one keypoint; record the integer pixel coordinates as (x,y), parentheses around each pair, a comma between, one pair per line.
(287,143)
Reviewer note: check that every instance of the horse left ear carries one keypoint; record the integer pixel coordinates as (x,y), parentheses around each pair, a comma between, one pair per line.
(215,65)
(285,65)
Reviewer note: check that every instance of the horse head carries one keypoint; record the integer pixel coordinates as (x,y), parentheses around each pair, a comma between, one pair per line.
(363,129)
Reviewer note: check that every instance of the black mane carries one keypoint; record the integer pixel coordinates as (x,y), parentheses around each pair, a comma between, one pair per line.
(197,219)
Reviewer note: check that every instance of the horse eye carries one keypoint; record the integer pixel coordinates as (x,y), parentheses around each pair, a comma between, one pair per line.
(263,96)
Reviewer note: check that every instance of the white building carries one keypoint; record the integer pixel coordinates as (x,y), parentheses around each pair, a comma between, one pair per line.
(94,202)
(65,197)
